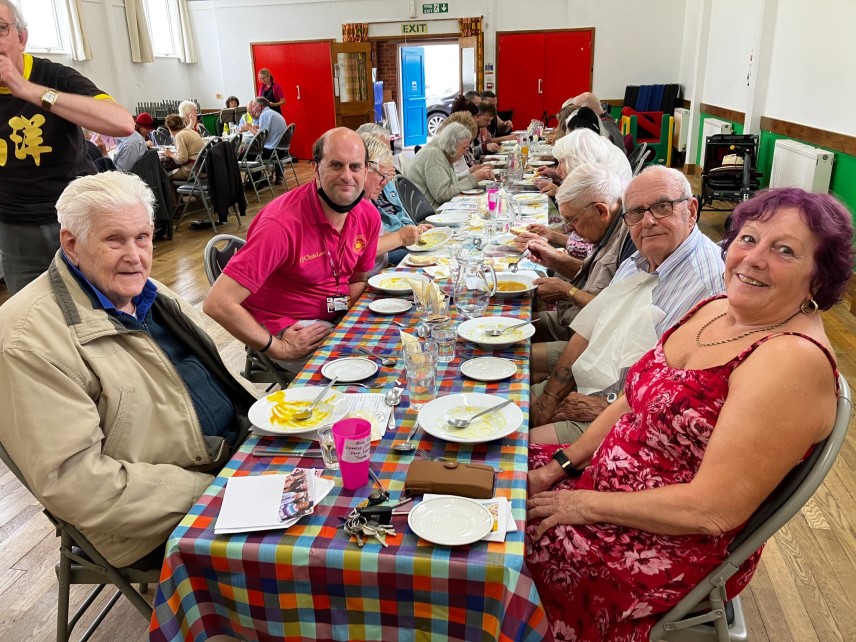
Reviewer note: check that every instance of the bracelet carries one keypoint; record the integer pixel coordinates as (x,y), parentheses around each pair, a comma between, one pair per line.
(267,345)
(553,395)
(567,467)
(572,293)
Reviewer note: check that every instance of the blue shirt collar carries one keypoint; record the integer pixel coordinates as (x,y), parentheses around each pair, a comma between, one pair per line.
(675,258)
(143,301)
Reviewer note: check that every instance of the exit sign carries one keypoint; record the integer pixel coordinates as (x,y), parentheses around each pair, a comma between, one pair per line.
(416,27)
(436,7)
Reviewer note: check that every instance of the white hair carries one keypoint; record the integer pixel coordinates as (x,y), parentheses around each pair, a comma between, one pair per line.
(85,198)
(675,177)
(590,184)
(448,138)
(378,150)
(374,130)
(17,16)
(580,147)
(185,108)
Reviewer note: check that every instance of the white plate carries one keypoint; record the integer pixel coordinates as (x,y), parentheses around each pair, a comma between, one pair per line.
(349,369)
(488,369)
(435,238)
(530,198)
(420,260)
(449,218)
(495,157)
(330,409)
(507,240)
(472,192)
(390,306)
(498,163)
(450,521)
(474,330)
(495,425)
(484,183)
(541,163)
(509,277)
(395,282)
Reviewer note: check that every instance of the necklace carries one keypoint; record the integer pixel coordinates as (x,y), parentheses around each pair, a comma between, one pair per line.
(739,336)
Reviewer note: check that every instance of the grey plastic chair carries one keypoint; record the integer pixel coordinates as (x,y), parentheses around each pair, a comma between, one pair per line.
(413,201)
(258,368)
(81,563)
(253,165)
(637,158)
(704,613)
(197,186)
(282,155)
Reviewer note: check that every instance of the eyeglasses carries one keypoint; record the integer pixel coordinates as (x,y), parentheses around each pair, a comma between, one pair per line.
(376,169)
(569,223)
(4,29)
(660,209)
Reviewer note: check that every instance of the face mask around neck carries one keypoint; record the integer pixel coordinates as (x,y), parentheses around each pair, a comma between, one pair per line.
(341,209)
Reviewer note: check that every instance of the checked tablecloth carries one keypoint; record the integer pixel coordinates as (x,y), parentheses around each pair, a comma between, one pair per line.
(312,582)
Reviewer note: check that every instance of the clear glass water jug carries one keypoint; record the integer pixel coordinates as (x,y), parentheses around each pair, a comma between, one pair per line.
(473,287)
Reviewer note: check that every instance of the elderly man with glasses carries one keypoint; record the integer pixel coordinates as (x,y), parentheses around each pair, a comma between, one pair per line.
(675,266)
(42,110)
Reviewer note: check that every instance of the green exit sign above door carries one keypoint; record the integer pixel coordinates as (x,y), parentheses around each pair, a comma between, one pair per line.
(435,7)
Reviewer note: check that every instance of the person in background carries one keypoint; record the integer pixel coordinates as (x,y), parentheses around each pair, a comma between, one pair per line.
(131,148)
(190,115)
(232,102)
(117,406)
(625,521)
(188,145)
(271,91)
(474,97)
(44,104)
(607,125)
(306,261)
(497,127)
(266,118)
(432,169)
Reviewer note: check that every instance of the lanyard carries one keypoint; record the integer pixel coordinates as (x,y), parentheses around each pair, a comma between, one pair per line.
(335,266)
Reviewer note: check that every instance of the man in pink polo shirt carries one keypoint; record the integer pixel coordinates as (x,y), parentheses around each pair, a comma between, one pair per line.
(306,260)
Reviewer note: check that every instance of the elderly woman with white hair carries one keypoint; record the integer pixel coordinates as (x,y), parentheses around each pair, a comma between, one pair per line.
(190,115)
(432,168)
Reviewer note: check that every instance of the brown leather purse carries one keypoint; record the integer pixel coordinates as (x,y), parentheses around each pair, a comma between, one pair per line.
(449,478)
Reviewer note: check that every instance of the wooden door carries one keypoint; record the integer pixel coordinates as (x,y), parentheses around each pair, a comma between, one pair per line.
(303,70)
(520,74)
(353,91)
(568,62)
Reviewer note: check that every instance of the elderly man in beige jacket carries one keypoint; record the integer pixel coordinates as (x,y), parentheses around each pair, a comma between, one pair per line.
(116,405)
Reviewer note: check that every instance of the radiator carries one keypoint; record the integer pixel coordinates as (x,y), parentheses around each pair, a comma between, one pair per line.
(682,128)
(800,165)
(712,126)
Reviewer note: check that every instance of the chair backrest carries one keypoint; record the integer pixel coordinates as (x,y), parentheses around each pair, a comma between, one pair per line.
(285,142)
(198,168)
(779,507)
(637,158)
(217,254)
(413,201)
(254,148)
(161,136)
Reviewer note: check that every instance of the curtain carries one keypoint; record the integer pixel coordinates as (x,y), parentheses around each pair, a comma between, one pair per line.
(79,42)
(188,48)
(138,32)
(355,32)
(470,26)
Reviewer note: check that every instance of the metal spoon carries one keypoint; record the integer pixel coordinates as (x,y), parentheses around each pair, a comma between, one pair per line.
(463,423)
(306,414)
(512,267)
(393,397)
(407,446)
(493,332)
(385,361)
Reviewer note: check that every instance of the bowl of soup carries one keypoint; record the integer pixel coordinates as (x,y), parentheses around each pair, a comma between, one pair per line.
(510,285)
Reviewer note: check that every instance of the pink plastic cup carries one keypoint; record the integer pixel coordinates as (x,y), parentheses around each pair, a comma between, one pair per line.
(353,447)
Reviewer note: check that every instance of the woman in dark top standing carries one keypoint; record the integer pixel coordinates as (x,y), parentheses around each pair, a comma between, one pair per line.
(271,90)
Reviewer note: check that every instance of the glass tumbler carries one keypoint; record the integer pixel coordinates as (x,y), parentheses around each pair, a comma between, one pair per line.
(420,360)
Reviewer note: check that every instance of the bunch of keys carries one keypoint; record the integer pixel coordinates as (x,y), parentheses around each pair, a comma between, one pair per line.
(373,520)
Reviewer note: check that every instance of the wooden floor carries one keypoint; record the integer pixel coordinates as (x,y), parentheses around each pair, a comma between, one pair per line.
(804,590)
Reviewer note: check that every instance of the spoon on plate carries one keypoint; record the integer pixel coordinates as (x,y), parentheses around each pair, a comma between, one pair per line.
(384,361)
(463,423)
(512,267)
(407,446)
(301,415)
(495,332)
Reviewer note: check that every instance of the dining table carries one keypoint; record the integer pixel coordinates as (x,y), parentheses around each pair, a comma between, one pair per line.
(312,580)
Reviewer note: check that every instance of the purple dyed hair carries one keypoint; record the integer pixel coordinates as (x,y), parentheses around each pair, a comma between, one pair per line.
(829,221)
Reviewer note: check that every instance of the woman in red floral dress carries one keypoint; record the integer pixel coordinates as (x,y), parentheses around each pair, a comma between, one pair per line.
(650,497)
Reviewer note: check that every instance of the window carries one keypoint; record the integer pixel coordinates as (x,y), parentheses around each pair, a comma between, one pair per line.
(164,27)
(47,26)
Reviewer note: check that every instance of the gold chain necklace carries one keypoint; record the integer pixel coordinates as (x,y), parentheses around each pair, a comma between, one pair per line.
(739,336)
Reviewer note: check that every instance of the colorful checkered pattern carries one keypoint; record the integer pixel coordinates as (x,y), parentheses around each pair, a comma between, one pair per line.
(312,582)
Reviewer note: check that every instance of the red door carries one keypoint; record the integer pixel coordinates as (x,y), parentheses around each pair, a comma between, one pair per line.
(519,66)
(538,71)
(303,69)
(567,66)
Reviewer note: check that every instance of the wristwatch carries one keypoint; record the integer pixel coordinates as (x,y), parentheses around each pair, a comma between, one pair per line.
(572,293)
(569,469)
(49,98)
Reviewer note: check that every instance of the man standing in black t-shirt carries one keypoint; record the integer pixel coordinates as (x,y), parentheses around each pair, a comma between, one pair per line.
(42,106)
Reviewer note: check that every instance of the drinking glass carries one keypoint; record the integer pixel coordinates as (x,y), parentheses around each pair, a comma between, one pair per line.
(445,339)
(420,360)
(328,448)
